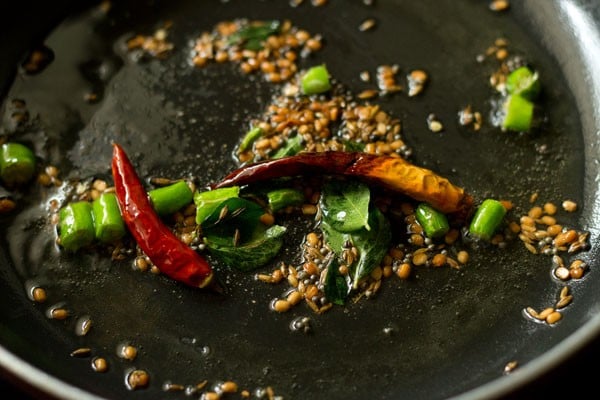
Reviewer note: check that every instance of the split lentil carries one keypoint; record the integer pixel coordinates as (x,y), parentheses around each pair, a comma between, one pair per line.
(99,364)
(137,379)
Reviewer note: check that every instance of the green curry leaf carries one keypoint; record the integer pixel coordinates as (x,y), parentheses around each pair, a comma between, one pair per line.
(372,245)
(345,205)
(251,255)
(337,286)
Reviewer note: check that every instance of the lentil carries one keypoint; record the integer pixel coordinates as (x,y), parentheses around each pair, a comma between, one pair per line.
(569,206)
(127,352)
(99,364)
(39,295)
(229,387)
(553,317)
(137,379)
(463,257)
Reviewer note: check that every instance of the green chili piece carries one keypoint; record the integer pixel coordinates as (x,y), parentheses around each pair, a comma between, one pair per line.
(316,80)
(166,200)
(207,202)
(292,147)
(487,219)
(108,223)
(17,163)
(250,138)
(76,226)
(523,82)
(285,197)
(434,223)
(518,113)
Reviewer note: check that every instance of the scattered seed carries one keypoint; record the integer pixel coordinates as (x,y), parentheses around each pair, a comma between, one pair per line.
(366,25)
(81,352)
(173,387)
(99,364)
(553,317)
(83,326)
(59,313)
(510,367)
(137,379)
(463,257)
(564,301)
(281,306)
(545,313)
(229,387)
(562,273)
(569,206)
(127,352)
(39,295)
(416,82)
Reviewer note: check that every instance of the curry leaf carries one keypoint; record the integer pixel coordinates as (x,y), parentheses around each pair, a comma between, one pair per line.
(337,286)
(251,255)
(372,245)
(345,205)
(207,202)
(234,219)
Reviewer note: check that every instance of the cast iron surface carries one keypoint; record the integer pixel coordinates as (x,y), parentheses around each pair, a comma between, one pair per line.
(453,331)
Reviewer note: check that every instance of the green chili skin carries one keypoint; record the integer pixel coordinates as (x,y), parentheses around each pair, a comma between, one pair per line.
(108,223)
(434,223)
(250,138)
(207,202)
(76,226)
(281,198)
(518,113)
(293,146)
(523,82)
(166,200)
(17,164)
(316,80)
(487,219)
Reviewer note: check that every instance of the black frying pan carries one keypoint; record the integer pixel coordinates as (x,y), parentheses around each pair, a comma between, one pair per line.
(453,331)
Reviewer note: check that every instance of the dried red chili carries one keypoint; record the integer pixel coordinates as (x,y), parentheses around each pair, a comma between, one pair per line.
(172,257)
(393,173)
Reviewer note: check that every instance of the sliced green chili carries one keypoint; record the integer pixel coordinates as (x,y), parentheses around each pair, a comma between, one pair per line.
(518,113)
(292,147)
(108,223)
(285,197)
(316,80)
(434,223)
(166,200)
(523,82)
(250,138)
(487,219)
(17,163)
(207,202)
(76,226)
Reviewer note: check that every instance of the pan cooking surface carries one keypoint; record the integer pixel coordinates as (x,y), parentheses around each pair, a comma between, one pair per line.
(439,334)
